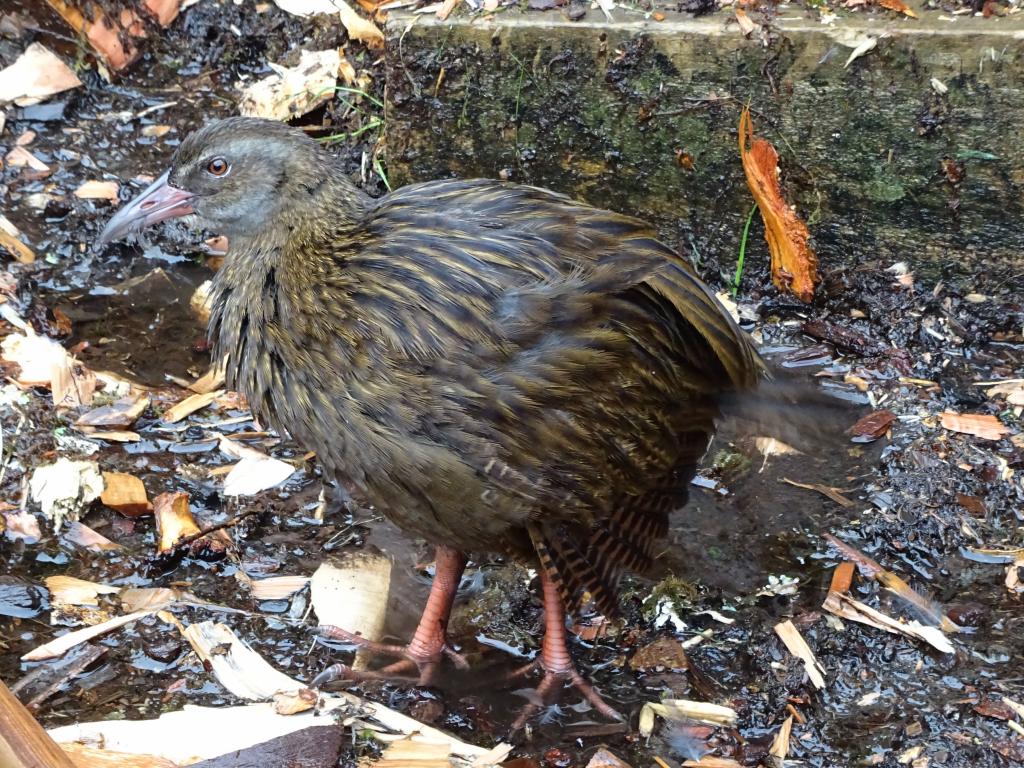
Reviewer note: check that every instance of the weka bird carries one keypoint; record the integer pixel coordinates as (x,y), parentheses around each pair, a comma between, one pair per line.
(496,367)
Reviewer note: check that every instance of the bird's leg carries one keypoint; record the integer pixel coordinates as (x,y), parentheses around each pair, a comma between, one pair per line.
(421,658)
(555,661)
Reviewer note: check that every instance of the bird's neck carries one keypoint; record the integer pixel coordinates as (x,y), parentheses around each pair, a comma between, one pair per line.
(278,290)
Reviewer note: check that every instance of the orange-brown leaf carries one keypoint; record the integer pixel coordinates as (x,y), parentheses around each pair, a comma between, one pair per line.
(794,264)
(899,6)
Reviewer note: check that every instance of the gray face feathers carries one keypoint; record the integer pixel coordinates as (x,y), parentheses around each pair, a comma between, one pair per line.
(245,171)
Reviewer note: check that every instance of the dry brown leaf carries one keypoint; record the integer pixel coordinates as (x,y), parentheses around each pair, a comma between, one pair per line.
(872,426)
(794,264)
(293,91)
(22,526)
(1011,389)
(746,25)
(446,9)
(980,425)
(99,190)
(120,413)
(190,405)
(899,6)
(84,536)
(291,702)
(126,494)
(35,75)
(104,35)
(842,578)
(359,28)
(174,520)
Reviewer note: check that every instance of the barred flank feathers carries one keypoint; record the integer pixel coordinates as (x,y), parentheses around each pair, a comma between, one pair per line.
(590,567)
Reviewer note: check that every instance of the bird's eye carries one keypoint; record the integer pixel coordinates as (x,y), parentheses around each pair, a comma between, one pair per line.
(218,167)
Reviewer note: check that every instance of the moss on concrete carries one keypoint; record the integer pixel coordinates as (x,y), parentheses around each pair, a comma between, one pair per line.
(642,118)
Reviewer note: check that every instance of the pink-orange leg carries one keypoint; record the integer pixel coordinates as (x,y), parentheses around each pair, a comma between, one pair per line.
(421,658)
(555,661)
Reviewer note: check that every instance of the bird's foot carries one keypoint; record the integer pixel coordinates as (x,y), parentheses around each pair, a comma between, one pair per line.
(419,660)
(551,685)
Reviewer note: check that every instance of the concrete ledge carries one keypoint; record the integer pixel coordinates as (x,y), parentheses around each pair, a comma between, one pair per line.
(910,153)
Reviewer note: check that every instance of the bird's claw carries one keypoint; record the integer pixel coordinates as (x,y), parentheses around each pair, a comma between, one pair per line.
(422,666)
(551,685)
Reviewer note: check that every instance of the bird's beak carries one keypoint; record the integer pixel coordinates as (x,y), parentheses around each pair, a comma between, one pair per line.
(158,202)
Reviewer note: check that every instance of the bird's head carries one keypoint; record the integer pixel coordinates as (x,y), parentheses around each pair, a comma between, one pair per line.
(234,176)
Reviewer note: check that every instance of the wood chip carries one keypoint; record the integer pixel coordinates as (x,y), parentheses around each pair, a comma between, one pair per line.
(352,595)
(1011,389)
(252,475)
(796,644)
(120,413)
(119,436)
(277,587)
(19,157)
(190,405)
(825,490)
(446,8)
(126,494)
(99,190)
(93,757)
(215,731)
(686,709)
(923,606)
(21,252)
(846,607)
(237,667)
(71,591)
(174,520)
(980,425)
(64,643)
(780,744)
(212,380)
(406,753)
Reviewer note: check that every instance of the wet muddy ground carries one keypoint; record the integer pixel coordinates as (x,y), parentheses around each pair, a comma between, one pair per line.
(745,554)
